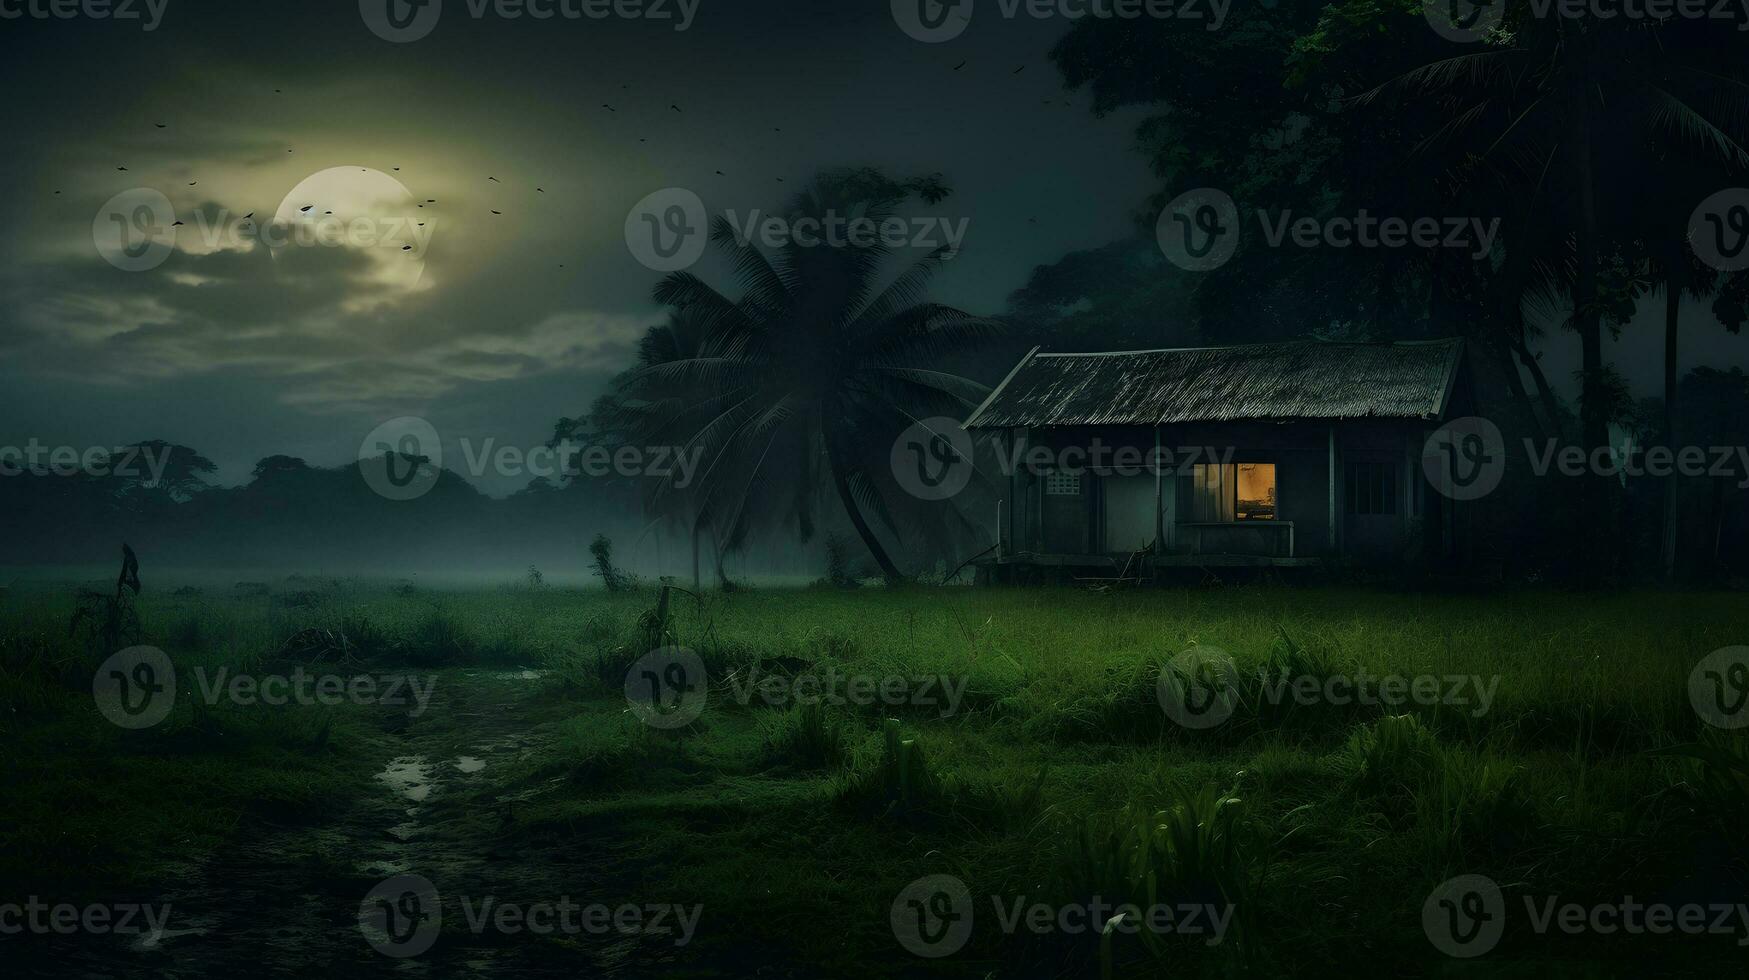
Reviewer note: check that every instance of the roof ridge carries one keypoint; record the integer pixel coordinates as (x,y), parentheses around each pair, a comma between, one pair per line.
(1263,344)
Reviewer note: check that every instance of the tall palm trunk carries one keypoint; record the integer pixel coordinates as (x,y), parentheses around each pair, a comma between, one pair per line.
(697,526)
(1593,418)
(1672,319)
(842,483)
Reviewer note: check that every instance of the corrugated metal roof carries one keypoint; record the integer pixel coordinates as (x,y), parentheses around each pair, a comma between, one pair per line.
(1300,380)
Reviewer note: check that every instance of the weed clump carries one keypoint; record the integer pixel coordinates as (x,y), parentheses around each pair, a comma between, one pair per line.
(1202,850)
(807,737)
(613,578)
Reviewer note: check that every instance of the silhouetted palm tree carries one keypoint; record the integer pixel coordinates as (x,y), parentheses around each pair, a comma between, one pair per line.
(817,363)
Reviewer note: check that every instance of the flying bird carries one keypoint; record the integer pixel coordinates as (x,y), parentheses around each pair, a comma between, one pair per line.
(159,125)
(608,107)
(721,174)
(248,216)
(494,180)
(306,207)
(406,248)
(674,107)
(538,190)
(497,212)
(957,67)
(122,169)
(176,224)
(1018,70)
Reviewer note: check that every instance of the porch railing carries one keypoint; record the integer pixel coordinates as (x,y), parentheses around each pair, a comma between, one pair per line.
(1274,539)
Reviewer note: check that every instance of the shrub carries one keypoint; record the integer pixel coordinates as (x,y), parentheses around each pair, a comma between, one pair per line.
(1391,757)
(899,783)
(806,736)
(612,576)
(1201,849)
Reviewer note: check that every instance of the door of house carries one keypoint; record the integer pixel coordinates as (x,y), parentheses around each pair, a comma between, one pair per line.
(1063,509)
(1129,512)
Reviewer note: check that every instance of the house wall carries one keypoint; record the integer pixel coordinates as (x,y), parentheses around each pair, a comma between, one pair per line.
(1111,511)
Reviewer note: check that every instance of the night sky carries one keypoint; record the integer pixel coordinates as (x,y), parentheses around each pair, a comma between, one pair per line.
(244,351)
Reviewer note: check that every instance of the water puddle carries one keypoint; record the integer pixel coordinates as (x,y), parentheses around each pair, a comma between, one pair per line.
(517,675)
(409,776)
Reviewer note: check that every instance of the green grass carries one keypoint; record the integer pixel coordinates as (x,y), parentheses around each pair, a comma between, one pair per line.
(1056,777)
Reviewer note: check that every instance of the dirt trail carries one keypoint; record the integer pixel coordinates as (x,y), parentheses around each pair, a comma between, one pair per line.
(285,900)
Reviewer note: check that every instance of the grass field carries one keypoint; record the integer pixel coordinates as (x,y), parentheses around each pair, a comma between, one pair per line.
(1017,742)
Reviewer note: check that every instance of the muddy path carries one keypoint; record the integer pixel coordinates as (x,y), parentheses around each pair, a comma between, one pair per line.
(284,900)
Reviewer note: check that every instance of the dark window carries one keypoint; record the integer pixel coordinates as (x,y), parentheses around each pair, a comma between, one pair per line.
(1371,489)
